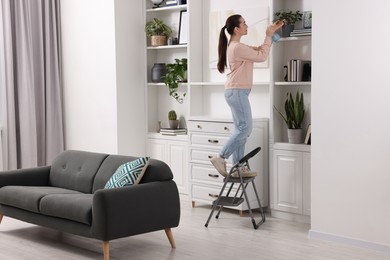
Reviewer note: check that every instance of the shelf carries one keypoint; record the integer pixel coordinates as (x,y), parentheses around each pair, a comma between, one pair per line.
(292,147)
(292,83)
(295,38)
(223,83)
(176,46)
(167,8)
(155,135)
(152,84)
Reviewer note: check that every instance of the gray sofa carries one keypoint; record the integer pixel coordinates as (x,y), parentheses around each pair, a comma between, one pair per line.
(69,196)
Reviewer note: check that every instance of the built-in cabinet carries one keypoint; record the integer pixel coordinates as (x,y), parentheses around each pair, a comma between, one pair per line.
(290,163)
(289,173)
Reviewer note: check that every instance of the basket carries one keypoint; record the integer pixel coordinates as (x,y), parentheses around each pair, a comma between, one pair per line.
(158,40)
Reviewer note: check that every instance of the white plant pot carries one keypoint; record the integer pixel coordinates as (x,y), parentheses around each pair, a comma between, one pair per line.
(295,136)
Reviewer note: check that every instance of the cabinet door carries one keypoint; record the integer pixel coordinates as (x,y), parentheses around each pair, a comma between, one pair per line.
(287,181)
(306,183)
(157,149)
(178,161)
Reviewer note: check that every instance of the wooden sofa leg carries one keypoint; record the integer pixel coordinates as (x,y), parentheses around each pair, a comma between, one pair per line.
(106,250)
(1,218)
(168,231)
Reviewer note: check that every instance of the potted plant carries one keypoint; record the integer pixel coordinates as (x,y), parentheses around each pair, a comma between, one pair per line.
(158,32)
(295,112)
(290,18)
(176,73)
(172,118)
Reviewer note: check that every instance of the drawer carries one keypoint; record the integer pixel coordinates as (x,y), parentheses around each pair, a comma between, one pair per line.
(204,156)
(205,173)
(205,193)
(210,140)
(210,127)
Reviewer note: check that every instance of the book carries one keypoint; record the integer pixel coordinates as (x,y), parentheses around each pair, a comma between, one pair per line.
(171,3)
(308,135)
(170,130)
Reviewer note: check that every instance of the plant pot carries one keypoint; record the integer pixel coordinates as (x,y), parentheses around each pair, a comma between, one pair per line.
(295,136)
(158,40)
(173,124)
(287,29)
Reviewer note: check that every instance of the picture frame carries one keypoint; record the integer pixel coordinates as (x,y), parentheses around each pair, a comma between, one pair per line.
(308,135)
(183,27)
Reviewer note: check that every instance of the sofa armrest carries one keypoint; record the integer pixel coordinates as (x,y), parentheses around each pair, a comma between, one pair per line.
(38,176)
(137,209)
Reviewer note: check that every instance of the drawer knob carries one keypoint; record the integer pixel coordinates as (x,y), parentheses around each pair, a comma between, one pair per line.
(210,156)
(226,128)
(213,141)
(213,195)
(213,175)
(199,126)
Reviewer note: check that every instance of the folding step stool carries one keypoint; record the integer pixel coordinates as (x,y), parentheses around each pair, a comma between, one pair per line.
(243,182)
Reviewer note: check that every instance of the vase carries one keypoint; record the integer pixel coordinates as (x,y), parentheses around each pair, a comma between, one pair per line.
(159,70)
(295,136)
(287,29)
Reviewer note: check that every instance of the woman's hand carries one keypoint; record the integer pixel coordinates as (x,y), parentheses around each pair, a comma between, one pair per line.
(274,27)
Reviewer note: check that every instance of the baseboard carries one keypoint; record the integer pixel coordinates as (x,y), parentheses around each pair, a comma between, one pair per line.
(290,216)
(348,241)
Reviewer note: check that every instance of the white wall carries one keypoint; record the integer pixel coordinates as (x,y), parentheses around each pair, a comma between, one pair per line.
(103,81)
(89,73)
(351,124)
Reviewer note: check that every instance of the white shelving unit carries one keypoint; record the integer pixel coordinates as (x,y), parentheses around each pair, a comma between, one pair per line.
(289,163)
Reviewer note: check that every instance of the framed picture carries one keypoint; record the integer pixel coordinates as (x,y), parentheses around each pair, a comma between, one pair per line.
(183,27)
(308,135)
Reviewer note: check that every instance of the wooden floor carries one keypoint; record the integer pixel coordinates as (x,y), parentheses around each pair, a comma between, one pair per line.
(229,237)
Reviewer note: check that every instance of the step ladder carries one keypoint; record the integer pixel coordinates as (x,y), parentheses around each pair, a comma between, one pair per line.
(234,201)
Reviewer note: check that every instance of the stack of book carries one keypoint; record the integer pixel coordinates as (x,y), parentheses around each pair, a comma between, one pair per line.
(170,131)
(300,32)
(298,70)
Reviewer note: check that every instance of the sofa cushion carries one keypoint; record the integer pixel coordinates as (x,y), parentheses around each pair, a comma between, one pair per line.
(156,171)
(75,170)
(28,197)
(129,173)
(76,207)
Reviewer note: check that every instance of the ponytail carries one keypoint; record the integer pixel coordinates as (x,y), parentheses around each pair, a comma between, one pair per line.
(222,46)
(231,23)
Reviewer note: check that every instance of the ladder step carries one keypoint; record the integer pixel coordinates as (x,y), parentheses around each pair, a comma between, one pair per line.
(237,180)
(229,201)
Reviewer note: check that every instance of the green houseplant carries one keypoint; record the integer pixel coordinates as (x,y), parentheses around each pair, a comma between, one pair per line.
(290,18)
(176,73)
(295,112)
(172,118)
(158,32)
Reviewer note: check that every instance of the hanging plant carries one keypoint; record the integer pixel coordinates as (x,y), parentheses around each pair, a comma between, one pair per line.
(176,73)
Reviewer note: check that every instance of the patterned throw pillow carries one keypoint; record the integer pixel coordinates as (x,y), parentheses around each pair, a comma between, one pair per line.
(129,173)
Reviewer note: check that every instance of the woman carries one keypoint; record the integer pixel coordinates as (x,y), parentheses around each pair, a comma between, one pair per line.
(238,85)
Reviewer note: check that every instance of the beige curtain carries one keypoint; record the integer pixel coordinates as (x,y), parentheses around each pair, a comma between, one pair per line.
(30,77)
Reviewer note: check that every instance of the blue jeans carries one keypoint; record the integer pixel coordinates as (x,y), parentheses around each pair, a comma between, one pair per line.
(238,101)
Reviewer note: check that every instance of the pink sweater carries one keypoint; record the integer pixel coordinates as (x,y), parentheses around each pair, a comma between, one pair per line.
(241,57)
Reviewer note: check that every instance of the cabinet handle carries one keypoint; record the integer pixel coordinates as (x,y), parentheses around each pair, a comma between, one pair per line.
(210,156)
(213,195)
(226,128)
(213,141)
(213,175)
(199,126)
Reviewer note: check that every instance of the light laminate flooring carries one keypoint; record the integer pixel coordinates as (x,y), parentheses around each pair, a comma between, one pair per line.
(229,237)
